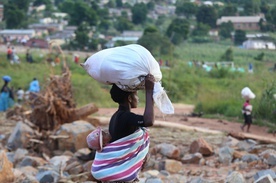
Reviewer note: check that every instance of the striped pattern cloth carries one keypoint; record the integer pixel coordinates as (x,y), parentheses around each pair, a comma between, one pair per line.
(122,159)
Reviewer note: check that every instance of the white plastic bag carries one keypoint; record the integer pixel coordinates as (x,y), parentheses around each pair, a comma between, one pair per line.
(127,66)
(247,93)
(161,99)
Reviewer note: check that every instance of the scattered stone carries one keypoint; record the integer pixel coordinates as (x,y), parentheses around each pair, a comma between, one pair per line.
(29,172)
(173,166)
(235,177)
(20,136)
(238,154)
(265,179)
(262,173)
(246,145)
(46,176)
(201,146)
(226,155)
(167,150)
(76,133)
(250,158)
(153,180)
(271,160)
(59,161)
(170,160)
(20,154)
(31,161)
(6,172)
(192,158)
(231,141)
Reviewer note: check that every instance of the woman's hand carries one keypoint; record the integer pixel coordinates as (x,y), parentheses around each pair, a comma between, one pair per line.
(149,111)
(149,82)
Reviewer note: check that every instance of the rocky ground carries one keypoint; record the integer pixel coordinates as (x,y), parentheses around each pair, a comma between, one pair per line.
(177,154)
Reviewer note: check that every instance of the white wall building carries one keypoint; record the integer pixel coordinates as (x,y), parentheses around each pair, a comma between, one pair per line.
(258,44)
(18,34)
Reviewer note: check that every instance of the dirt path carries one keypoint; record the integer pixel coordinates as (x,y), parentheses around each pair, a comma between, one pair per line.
(181,117)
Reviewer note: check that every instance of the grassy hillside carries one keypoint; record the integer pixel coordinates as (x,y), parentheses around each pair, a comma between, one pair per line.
(218,92)
(215,93)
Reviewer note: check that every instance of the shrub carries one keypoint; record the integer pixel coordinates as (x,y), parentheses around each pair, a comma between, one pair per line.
(266,107)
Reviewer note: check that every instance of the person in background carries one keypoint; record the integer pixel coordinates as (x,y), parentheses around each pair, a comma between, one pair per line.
(250,68)
(9,54)
(29,57)
(246,111)
(20,95)
(16,59)
(34,88)
(76,59)
(57,60)
(13,55)
(6,95)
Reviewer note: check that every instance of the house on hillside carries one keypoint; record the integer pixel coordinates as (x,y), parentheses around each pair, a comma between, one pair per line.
(132,2)
(164,10)
(114,12)
(18,35)
(258,44)
(48,27)
(64,36)
(126,36)
(242,22)
(256,36)
(37,43)
(60,15)
(131,36)
(1,12)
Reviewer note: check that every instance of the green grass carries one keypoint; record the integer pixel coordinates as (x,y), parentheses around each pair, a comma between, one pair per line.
(214,93)
(219,93)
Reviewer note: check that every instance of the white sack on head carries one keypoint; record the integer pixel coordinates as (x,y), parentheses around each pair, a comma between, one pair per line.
(247,93)
(127,66)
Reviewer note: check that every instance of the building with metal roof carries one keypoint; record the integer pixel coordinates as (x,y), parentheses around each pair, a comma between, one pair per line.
(242,22)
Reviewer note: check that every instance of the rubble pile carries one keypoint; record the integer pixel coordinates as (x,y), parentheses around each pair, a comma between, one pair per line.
(177,156)
(52,106)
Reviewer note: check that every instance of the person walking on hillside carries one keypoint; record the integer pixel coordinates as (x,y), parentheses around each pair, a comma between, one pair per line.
(246,111)
(57,60)
(9,54)
(29,57)
(34,88)
(76,59)
(6,95)
(250,68)
(14,56)
(20,95)
(126,127)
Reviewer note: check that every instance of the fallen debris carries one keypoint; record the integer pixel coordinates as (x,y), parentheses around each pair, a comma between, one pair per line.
(261,139)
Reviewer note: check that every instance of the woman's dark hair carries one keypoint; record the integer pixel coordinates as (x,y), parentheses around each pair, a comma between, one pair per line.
(118,95)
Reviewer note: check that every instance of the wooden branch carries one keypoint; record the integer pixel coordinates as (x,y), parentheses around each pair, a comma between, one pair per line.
(59,137)
(36,141)
(82,112)
(184,127)
(261,139)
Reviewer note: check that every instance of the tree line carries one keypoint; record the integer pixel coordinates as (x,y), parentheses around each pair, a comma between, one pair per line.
(90,18)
